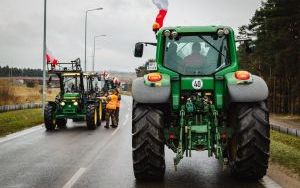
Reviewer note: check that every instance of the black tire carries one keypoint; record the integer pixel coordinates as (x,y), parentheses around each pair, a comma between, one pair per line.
(103,111)
(49,118)
(148,142)
(250,145)
(91,117)
(61,123)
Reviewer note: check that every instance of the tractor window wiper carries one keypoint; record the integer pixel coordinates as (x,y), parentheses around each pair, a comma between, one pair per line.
(215,48)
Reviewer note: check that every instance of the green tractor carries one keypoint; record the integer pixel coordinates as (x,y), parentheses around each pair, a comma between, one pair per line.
(78,98)
(195,98)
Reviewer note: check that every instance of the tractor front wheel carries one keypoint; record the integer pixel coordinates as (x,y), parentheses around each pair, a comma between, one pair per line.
(91,117)
(148,142)
(250,145)
(49,118)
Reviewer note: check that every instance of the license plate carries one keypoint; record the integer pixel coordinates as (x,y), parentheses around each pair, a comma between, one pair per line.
(152,66)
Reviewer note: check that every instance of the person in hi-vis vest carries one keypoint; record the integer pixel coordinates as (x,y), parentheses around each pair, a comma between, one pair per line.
(118,106)
(111,106)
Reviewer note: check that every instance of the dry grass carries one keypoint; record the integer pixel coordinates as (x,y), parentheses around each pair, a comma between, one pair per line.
(11,93)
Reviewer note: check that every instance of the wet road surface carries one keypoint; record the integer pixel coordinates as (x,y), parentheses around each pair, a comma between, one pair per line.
(76,157)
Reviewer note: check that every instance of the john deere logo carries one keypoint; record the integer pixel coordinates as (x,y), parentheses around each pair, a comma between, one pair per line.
(197,84)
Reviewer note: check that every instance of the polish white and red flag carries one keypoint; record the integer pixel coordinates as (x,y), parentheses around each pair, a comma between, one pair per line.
(162,5)
(50,58)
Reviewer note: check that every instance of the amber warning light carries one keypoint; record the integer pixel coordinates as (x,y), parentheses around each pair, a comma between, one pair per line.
(242,75)
(154,77)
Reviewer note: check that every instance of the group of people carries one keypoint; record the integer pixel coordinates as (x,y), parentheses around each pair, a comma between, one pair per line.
(113,101)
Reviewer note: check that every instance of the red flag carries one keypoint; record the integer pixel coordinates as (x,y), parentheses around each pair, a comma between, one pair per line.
(54,62)
(50,58)
(162,5)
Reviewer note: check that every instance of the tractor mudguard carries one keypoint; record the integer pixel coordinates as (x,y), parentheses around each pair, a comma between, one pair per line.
(253,90)
(144,91)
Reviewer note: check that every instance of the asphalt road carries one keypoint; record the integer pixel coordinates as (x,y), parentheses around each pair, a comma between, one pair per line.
(77,157)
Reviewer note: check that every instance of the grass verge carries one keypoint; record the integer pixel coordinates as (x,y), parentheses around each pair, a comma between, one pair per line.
(14,121)
(285,151)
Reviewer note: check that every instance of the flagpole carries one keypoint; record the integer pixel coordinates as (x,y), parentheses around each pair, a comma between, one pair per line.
(44,55)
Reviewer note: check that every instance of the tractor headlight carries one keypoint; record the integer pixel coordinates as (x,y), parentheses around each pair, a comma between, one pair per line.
(226,31)
(167,33)
(75,103)
(63,103)
(174,34)
(221,32)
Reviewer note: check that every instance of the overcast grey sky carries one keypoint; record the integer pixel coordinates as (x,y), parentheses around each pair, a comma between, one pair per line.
(124,21)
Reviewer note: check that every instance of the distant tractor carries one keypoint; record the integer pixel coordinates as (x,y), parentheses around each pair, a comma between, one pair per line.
(78,98)
(196,98)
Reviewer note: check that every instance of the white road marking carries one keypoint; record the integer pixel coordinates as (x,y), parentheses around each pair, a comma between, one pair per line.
(115,131)
(269,183)
(81,171)
(21,133)
(74,178)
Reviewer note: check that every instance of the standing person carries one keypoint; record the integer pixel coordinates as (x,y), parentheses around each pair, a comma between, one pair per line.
(118,106)
(111,106)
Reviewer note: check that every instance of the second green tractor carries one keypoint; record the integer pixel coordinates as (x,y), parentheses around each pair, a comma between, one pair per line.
(78,99)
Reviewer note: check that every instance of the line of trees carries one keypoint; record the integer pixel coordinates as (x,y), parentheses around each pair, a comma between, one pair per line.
(7,71)
(276,27)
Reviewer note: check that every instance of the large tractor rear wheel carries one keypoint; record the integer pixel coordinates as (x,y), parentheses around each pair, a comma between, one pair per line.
(49,119)
(249,147)
(148,142)
(91,117)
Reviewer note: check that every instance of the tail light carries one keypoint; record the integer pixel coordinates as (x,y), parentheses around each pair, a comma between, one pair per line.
(171,136)
(242,75)
(154,77)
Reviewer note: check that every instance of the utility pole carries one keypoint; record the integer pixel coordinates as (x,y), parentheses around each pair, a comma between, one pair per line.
(94,52)
(44,55)
(85,33)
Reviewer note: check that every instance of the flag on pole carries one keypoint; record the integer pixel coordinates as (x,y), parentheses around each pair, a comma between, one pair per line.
(162,5)
(50,58)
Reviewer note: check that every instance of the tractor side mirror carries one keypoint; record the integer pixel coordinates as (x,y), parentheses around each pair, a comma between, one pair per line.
(139,49)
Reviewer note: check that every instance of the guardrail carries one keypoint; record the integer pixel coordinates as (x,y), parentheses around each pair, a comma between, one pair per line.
(7,108)
(286,130)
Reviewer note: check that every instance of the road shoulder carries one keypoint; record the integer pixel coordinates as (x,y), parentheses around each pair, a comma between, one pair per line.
(283,176)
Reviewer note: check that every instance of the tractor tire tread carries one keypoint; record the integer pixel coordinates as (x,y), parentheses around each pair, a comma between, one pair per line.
(253,132)
(148,142)
(90,113)
(48,118)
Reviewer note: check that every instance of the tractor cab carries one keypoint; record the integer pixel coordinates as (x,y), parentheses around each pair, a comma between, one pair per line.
(196,54)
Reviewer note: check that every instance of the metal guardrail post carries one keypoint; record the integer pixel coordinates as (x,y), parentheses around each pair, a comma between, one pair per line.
(7,108)
(285,130)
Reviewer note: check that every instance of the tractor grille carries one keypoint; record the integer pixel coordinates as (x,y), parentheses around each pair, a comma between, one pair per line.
(69,109)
